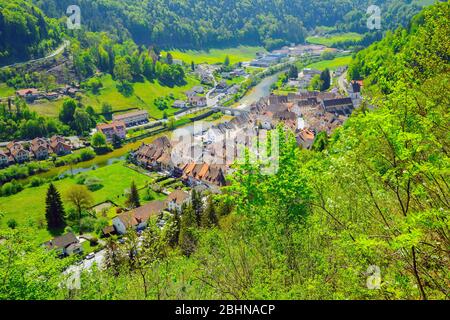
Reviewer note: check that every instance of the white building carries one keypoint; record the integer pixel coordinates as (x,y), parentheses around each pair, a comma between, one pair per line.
(132,118)
(176,200)
(179,104)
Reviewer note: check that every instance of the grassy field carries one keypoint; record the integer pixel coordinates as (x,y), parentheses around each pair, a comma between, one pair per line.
(331,64)
(28,206)
(143,97)
(332,39)
(6,91)
(47,108)
(213,56)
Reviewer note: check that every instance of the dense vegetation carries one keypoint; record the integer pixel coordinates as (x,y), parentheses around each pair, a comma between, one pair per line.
(186,23)
(25,31)
(212,23)
(382,63)
(377,195)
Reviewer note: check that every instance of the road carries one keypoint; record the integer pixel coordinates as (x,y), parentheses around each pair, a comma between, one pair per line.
(342,82)
(56,52)
(99,260)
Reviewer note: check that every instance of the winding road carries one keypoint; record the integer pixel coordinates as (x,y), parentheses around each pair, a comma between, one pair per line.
(56,52)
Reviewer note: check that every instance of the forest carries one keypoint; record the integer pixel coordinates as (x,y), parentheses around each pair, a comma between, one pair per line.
(25,31)
(199,24)
(373,195)
(215,23)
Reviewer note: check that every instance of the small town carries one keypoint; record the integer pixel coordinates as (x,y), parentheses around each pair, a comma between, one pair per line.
(238,150)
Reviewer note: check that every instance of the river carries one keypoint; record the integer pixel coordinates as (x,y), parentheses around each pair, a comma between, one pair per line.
(262,89)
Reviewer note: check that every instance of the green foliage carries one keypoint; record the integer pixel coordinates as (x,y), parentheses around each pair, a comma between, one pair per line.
(12,224)
(187,237)
(76,117)
(26,32)
(28,270)
(133,200)
(421,48)
(20,122)
(209,215)
(54,211)
(293,72)
(325,80)
(98,140)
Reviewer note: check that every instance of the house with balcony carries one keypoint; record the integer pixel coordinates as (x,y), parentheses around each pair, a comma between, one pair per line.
(115,128)
(40,148)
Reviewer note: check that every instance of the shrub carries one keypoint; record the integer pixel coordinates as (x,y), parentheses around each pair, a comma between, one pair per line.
(36,182)
(60,162)
(11,188)
(93,241)
(87,224)
(80,179)
(12,224)
(93,183)
(149,195)
(87,154)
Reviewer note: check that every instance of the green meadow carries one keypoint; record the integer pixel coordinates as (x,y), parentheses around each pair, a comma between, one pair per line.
(330,40)
(331,64)
(143,97)
(6,91)
(28,207)
(214,56)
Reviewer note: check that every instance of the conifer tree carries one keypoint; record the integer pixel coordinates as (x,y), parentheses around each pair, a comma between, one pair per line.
(54,211)
(209,215)
(187,240)
(197,205)
(133,197)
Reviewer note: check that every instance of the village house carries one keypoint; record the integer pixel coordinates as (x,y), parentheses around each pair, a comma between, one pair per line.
(305,139)
(59,146)
(52,95)
(18,153)
(29,95)
(138,218)
(115,128)
(190,93)
(354,90)
(222,87)
(40,148)
(275,99)
(71,92)
(180,104)
(65,245)
(177,199)
(199,89)
(3,159)
(132,118)
(197,101)
(342,106)
(196,173)
(238,72)
(265,122)
(156,156)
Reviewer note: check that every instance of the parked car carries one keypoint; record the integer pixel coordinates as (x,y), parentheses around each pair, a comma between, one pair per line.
(90,256)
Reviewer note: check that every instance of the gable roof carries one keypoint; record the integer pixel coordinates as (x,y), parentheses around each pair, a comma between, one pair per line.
(143,213)
(130,114)
(62,241)
(178,196)
(337,102)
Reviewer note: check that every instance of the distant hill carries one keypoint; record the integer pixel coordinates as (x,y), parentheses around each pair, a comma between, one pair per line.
(25,32)
(212,23)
